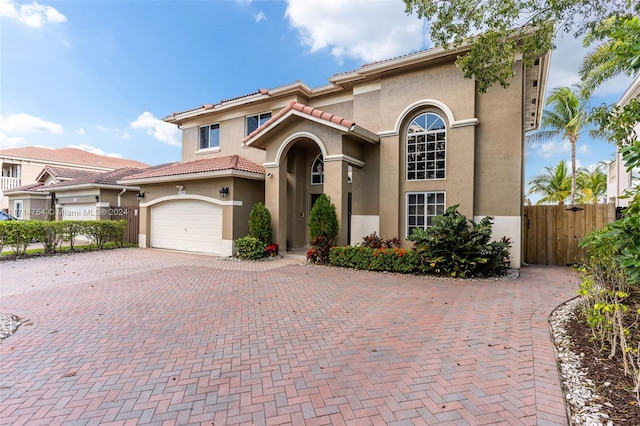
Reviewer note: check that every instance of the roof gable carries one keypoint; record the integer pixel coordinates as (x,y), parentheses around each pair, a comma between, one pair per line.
(62,173)
(313,114)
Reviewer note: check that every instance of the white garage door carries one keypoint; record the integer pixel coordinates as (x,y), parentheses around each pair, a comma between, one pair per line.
(188,225)
(79,211)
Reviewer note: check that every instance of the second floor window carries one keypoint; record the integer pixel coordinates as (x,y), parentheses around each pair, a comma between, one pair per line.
(426,148)
(210,136)
(255,121)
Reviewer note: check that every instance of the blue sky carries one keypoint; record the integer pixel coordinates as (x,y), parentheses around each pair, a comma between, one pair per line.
(101,74)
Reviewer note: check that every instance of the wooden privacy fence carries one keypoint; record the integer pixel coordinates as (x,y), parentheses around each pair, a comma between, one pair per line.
(551,233)
(132,215)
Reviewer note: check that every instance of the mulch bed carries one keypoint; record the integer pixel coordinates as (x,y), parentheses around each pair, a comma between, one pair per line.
(612,386)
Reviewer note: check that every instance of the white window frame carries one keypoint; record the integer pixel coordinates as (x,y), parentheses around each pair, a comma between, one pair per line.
(209,127)
(315,173)
(424,212)
(434,162)
(18,209)
(263,117)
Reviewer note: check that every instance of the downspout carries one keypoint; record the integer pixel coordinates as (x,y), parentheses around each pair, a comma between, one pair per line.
(120,196)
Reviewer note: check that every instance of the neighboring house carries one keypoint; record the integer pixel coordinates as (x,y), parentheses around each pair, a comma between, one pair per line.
(619,178)
(22,166)
(32,201)
(393,143)
(68,194)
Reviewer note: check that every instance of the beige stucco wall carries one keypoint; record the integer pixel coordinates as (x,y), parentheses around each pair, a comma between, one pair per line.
(243,194)
(29,171)
(499,151)
(34,206)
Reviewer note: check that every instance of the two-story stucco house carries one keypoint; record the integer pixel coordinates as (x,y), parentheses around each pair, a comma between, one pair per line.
(392,143)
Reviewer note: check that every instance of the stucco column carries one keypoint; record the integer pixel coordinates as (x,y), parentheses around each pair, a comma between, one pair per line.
(335,186)
(145,226)
(275,199)
(390,196)
(461,144)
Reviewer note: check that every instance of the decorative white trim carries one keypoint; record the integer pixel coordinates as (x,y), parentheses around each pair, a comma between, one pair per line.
(363,225)
(465,123)
(290,139)
(191,197)
(367,87)
(428,102)
(226,248)
(142,240)
(343,157)
(509,226)
(205,151)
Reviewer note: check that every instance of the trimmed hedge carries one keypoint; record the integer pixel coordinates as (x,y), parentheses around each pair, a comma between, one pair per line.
(19,233)
(374,259)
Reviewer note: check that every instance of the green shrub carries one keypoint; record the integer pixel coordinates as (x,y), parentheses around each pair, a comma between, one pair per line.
(323,228)
(375,259)
(249,248)
(19,233)
(260,224)
(70,230)
(103,231)
(50,235)
(458,247)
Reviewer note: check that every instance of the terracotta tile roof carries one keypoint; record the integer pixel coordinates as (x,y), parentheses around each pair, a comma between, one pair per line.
(211,106)
(107,178)
(32,187)
(312,112)
(232,162)
(64,173)
(70,156)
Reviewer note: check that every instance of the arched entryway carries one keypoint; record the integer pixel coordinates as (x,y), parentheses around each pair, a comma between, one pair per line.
(305,182)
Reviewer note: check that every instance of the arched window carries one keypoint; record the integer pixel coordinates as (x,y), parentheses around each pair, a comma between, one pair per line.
(317,171)
(426,147)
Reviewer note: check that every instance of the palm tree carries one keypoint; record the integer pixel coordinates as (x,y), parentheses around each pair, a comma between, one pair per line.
(566,117)
(554,185)
(592,185)
(617,54)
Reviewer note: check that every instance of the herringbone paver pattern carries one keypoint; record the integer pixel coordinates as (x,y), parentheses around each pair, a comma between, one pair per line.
(139,336)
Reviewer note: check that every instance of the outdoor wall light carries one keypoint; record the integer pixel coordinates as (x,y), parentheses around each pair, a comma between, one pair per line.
(140,195)
(224,192)
(97,198)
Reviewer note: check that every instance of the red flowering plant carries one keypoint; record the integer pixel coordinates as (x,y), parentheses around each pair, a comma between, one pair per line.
(271,250)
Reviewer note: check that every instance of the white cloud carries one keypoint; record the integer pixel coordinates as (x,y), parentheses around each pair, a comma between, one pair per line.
(551,148)
(80,131)
(66,43)
(244,1)
(11,142)
(358,29)
(162,131)
(32,15)
(260,16)
(28,123)
(102,128)
(95,150)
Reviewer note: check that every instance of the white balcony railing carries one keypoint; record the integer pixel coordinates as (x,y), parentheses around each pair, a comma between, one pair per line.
(9,183)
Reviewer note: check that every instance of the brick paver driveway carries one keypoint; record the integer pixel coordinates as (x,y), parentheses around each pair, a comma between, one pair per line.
(137,336)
